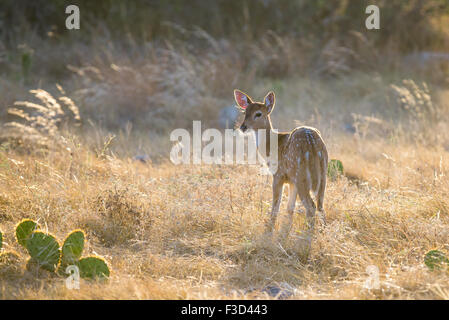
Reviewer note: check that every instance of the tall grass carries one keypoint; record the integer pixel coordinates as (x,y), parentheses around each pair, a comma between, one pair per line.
(70,157)
(197,231)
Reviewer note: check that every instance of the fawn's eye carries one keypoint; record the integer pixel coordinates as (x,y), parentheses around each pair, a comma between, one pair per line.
(257,115)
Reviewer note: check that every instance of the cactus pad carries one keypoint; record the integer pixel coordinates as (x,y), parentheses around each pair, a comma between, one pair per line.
(44,248)
(334,168)
(435,259)
(93,268)
(73,247)
(24,229)
(37,269)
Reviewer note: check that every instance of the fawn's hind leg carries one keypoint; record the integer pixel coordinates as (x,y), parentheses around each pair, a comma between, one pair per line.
(292,194)
(320,192)
(308,203)
(304,195)
(320,200)
(277,196)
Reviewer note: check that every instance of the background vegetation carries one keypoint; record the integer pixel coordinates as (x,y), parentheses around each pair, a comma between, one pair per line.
(88,147)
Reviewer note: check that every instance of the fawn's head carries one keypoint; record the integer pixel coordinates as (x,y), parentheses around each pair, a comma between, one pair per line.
(257,114)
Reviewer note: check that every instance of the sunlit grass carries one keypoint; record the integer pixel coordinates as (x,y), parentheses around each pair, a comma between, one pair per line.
(197,231)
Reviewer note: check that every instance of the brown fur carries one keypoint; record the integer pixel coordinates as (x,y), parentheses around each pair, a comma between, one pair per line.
(302,160)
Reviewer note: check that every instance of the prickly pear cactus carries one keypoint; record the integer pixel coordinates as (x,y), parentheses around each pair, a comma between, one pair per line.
(93,268)
(73,247)
(334,169)
(44,248)
(24,229)
(1,239)
(435,259)
(71,250)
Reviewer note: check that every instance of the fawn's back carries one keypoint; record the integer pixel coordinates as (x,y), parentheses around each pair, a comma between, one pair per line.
(303,159)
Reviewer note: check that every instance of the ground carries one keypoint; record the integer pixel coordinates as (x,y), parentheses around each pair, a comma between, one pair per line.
(196,232)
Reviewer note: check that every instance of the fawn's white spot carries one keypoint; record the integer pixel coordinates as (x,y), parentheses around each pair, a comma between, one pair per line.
(307,155)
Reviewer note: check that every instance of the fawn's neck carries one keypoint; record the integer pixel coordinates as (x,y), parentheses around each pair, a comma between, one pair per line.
(269,133)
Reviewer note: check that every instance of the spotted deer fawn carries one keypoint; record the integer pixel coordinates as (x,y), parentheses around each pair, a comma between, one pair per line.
(302,160)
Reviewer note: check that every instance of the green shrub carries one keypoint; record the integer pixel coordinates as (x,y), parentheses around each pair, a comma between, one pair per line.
(334,169)
(435,259)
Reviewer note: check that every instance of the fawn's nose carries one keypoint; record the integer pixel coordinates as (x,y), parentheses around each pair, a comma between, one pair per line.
(243,127)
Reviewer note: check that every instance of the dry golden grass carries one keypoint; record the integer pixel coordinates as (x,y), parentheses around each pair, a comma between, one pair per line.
(195,232)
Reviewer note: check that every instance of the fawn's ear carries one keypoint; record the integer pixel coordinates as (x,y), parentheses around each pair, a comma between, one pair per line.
(269,101)
(243,100)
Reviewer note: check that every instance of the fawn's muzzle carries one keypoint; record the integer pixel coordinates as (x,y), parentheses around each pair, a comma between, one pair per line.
(243,127)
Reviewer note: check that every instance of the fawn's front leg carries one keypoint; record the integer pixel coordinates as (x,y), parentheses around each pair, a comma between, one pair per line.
(277,196)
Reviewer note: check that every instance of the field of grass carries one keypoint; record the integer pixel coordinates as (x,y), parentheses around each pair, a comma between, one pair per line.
(189,231)
(88,147)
